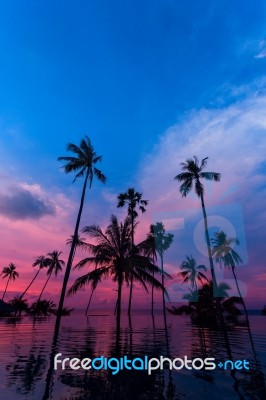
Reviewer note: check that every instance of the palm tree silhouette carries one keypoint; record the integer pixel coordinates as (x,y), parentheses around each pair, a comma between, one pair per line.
(162,241)
(112,256)
(149,250)
(54,265)
(84,163)
(191,272)
(19,305)
(224,253)
(202,306)
(10,273)
(42,308)
(192,175)
(41,262)
(133,200)
(81,243)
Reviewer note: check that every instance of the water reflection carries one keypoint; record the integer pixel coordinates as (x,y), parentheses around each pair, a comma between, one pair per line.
(28,358)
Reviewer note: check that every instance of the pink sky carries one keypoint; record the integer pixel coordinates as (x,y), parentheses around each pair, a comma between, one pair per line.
(235,141)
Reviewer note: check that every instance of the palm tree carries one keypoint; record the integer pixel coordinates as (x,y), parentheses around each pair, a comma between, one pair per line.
(54,265)
(84,163)
(19,305)
(202,307)
(112,257)
(192,175)
(191,272)
(162,241)
(42,308)
(133,200)
(81,243)
(224,253)
(10,273)
(149,250)
(41,262)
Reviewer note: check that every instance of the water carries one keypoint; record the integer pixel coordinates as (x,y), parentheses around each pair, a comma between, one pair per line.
(26,346)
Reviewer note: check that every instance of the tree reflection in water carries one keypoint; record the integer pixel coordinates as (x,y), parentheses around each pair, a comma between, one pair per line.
(30,367)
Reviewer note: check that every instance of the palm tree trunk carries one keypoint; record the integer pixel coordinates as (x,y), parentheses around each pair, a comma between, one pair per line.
(45,285)
(131,275)
(152,295)
(240,295)
(161,257)
(115,308)
(89,303)
(246,315)
(208,245)
(215,287)
(118,310)
(30,284)
(70,257)
(6,288)
(164,313)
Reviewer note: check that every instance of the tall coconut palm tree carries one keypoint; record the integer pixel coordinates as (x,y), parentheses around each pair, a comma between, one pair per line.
(55,265)
(149,249)
(10,273)
(83,163)
(134,201)
(162,241)
(40,262)
(191,177)
(224,253)
(191,272)
(112,257)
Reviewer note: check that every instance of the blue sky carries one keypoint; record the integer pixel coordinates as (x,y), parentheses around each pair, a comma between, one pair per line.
(120,71)
(149,82)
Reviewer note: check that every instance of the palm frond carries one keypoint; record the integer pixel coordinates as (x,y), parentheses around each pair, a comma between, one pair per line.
(211,176)
(95,275)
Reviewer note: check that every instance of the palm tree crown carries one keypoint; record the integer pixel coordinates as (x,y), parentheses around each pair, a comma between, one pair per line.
(133,199)
(40,262)
(84,161)
(193,172)
(191,272)
(162,240)
(54,264)
(10,273)
(222,250)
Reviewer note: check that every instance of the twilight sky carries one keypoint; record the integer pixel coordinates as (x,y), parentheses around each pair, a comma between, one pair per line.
(152,83)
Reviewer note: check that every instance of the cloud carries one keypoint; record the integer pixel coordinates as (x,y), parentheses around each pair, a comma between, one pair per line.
(262,50)
(234,138)
(21,203)
(261,54)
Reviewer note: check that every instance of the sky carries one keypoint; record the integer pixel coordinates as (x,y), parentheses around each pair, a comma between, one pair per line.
(151,83)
